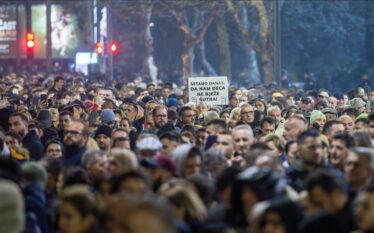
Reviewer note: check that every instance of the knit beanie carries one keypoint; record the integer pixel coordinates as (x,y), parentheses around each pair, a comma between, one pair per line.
(104,129)
(172,102)
(33,172)
(12,219)
(107,115)
(44,118)
(315,115)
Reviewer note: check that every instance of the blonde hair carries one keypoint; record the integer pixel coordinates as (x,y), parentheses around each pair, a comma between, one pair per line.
(182,194)
(126,158)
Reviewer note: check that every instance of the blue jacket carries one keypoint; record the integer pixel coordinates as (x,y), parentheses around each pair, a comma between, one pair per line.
(36,211)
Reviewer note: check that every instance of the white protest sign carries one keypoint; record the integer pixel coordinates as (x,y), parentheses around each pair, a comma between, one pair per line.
(210,90)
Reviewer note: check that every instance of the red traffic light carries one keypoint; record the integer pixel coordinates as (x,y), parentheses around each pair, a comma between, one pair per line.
(30,40)
(114,48)
(99,48)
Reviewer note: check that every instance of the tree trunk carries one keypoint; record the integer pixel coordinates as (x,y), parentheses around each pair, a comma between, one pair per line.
(223,48)
(267,66)
(149,66)
(251,62)
(206,65)
(188,57)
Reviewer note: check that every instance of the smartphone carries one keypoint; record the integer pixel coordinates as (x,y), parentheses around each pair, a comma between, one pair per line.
(43,97)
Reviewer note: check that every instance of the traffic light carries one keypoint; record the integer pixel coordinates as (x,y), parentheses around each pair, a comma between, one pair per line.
(30,44)
(114,48)
(99,49)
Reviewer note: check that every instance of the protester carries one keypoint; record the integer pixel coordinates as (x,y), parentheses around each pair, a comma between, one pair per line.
(131,156)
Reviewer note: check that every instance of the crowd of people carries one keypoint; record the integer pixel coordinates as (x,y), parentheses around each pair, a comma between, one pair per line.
(136,157)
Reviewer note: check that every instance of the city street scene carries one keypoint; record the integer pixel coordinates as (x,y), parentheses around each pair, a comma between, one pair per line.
(186,116)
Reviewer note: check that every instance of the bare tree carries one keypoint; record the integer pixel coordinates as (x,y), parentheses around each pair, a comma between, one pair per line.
(259,38)
(193,19)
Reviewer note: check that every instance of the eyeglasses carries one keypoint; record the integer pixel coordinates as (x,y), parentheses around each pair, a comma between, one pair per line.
(249,112)
(73,132)
(161,116)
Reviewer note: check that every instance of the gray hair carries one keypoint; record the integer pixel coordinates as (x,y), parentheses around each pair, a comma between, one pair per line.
(89,157)
(243,127)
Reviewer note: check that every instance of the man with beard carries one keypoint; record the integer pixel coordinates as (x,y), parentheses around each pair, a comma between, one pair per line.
(160,118)
(103,137)
(310,158)
(18,124)
(75,139)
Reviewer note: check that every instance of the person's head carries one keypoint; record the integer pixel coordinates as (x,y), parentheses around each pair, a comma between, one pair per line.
(103,137)
(338,151)
(125,123)
(65,119)
(348,123)
(362,139)
(170,141)
(242,136)
(105,93)
(201,108)
(76,134)
(267,125)
(166,91)
(215,126)
(121,161)
(275,143)
(291,150)
(215,162)
(317,117)
(359,168)
(188,160)
(54,148)
(53,166)
(233,100)
(186,116)
(120,139)
(130,110)
(59,83)
(13,216)
(151,88)
(147,146)
(96,163)
(18,124)
(247,113)
(331,128)
(186,202)
(293,127)
(276,113)
(281,216)
(12,140)
(224,144)
(133,182)
(364,209)
(128,213)
(310,149)
(326,190)
(77,210)
(160,116)
(370,124)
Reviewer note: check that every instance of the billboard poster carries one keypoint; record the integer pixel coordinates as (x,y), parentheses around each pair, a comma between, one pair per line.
(39,27)
(8,31)
(65,32)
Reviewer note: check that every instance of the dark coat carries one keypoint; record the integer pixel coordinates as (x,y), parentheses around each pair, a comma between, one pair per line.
(73,156)
(36,211)
(33,144)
